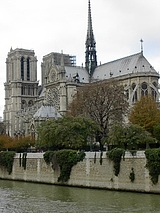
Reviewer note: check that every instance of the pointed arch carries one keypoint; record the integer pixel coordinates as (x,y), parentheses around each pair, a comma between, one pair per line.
(28,69)
(22,68)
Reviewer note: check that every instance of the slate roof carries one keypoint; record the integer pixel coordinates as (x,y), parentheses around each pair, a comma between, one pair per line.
(71,72)
(46,111)
(127,65)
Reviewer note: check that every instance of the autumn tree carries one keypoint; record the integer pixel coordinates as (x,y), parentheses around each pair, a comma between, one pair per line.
(5,142)
(103,102)
(71,132)
(22,143)
(145,113)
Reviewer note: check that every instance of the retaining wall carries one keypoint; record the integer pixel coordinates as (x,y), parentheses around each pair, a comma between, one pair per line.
(88,173)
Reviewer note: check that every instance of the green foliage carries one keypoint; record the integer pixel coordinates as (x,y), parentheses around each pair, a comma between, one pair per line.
(116,135)
(66,159)
(103,102)
(129,137)
(66,132)
(48,157)
(115,155)
(153,163)
(132,175)
(156,132)
(24,160)
(6,160)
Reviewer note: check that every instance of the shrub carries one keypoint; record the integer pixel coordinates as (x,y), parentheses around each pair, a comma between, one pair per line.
(6,160)
(66,159)
(153,163)
(115,155)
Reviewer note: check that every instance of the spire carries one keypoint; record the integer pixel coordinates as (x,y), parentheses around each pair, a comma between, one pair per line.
(91,57)
(90,36)
(141,45)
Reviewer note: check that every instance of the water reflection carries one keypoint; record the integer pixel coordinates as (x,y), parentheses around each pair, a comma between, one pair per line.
(20,197)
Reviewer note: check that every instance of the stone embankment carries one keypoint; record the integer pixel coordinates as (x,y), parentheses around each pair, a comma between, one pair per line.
(88,173)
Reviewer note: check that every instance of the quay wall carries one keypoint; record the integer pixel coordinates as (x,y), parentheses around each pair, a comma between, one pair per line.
(88,173)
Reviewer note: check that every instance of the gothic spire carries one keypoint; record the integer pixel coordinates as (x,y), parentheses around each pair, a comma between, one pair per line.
(91,57)
(90,36)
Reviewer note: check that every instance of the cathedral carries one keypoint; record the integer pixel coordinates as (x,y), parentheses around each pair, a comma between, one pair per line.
(27,103)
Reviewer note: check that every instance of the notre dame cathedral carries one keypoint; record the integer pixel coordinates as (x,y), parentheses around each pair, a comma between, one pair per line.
(27,103)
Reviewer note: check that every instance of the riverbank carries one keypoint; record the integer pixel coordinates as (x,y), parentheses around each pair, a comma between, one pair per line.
(88,173)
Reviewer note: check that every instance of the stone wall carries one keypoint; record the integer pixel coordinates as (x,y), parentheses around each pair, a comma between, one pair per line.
(88,173)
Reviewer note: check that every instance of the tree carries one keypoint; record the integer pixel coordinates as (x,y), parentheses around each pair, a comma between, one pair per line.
(156,132)
(2,128)
(145,113)
(17,143)
(129,137)
(22,143)
(103,102)
(70,132)
(5,142)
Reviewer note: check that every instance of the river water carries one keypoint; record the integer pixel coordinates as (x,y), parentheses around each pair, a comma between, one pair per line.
(22,197)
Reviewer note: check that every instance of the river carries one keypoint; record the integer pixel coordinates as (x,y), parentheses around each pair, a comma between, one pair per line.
(22,197)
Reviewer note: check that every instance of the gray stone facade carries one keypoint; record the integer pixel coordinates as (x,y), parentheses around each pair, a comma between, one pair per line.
(24,96)
(60,78)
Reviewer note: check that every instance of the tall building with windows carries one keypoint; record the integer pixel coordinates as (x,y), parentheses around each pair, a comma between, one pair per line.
(21,87)
(27,104)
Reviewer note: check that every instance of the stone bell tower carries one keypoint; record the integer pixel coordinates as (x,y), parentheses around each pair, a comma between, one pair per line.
(21,87)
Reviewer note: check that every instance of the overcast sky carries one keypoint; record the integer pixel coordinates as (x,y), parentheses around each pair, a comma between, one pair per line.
(56,25)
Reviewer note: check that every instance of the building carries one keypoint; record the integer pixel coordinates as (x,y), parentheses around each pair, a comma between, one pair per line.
(27,103)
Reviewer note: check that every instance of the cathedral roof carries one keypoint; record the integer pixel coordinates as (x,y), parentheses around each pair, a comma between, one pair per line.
(46,111)
(71,73)
(136,63)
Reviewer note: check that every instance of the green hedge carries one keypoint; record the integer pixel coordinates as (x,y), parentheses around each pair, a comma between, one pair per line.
(66,159)
(6,160)
(153,163)
(115,155)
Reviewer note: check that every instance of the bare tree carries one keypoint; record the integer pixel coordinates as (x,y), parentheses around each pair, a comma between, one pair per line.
(103,102)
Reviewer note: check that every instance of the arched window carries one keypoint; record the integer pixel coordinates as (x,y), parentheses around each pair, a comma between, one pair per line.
(23,90)
(144,89)
(28,69)
(134,93)
(153,91)
(22,68)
